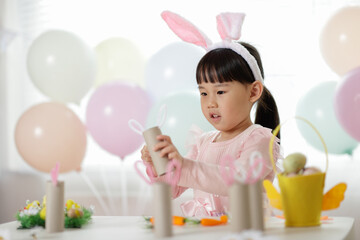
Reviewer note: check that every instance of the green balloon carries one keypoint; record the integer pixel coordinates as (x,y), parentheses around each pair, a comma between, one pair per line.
(317,107)
(183,111)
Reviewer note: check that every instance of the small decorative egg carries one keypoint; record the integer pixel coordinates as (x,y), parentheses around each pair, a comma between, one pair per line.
(311,170)
(294,162)
(292,174)
(75,213)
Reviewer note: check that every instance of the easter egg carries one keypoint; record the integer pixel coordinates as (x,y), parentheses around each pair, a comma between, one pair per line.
(75,213)
(294,162)
(311,170)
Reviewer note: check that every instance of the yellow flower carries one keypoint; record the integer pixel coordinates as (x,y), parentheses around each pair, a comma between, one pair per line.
(44,201)
(71,204)
(33,204)
(43,213)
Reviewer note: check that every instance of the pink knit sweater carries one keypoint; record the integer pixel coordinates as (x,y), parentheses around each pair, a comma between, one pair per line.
(200,168)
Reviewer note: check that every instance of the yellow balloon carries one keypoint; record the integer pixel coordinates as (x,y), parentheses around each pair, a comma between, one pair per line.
(119,59)
(340,40)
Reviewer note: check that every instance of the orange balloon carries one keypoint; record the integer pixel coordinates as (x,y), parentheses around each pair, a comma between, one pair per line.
(48,133)
(340,40)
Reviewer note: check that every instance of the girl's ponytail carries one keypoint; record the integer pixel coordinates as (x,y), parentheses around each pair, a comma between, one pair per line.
(267,114)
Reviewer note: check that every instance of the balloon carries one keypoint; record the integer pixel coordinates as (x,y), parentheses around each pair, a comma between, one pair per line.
(183,110)
(108,112)
(317,107)
(61,66)
(118,58)
(340,40)
(347,103)
(173,68)
(48,133)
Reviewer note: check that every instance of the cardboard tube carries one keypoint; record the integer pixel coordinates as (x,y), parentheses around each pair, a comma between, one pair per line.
(55,215)
(163,210)
(160,163)
(256,206)
(239,207)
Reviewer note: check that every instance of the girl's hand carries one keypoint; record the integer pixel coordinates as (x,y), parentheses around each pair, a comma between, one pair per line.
(167,148)
(145,156)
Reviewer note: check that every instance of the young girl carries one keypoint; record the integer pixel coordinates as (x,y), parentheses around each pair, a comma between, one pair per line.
(228,89)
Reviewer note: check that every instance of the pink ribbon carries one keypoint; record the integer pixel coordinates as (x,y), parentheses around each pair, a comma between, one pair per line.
(196,207)
(55,173)
(173,176)
(227,169)
(254,173)
(257,168)
(148,170)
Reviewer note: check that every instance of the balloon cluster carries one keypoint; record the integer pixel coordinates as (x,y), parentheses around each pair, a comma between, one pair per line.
(114,74)
(334,107)
(62,67)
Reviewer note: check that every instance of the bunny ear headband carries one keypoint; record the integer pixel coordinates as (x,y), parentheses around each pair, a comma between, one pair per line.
(229,28)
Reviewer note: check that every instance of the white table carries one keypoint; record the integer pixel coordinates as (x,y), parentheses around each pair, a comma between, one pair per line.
(133,227)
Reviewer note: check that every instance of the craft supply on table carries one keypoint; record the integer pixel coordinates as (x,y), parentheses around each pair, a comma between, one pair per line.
(301,188)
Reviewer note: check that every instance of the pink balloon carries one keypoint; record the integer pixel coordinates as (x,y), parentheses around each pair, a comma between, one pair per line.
(48,133)
(347,103)
(108,112)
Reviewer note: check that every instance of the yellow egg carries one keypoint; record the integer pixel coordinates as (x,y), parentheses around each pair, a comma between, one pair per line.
(74,213)
(294,162)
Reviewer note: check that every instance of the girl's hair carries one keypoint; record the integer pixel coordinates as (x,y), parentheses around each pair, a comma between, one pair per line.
(225,65)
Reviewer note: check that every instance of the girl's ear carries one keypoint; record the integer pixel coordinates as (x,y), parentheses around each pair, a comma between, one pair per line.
(256,91)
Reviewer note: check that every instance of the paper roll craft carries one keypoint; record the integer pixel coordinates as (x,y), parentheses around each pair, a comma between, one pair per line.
(245,194)
(55,216)
(162,197)
(160,163)
(301,197)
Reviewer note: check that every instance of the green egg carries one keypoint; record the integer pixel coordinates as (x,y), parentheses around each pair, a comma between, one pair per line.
(294,162)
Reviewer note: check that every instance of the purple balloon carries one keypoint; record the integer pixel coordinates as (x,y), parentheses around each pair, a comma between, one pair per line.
(347,103)
(108,112)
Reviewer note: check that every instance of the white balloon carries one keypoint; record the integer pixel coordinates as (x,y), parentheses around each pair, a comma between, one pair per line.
(173,68)
(61,65)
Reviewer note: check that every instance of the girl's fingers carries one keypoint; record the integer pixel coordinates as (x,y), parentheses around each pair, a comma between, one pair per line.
(161,145)
(173,155)
(167,150)
(164,138)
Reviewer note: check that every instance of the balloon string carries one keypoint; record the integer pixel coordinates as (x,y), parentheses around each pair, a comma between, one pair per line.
(96,193)
(107,188)
(124,202)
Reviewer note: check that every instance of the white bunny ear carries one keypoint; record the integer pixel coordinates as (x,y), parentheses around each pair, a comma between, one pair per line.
(229,25)
(185,30)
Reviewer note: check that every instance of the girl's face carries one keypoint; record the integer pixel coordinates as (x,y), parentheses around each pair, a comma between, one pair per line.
(227,105)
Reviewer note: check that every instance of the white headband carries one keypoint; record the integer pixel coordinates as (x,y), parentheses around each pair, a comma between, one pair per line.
(229,27)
